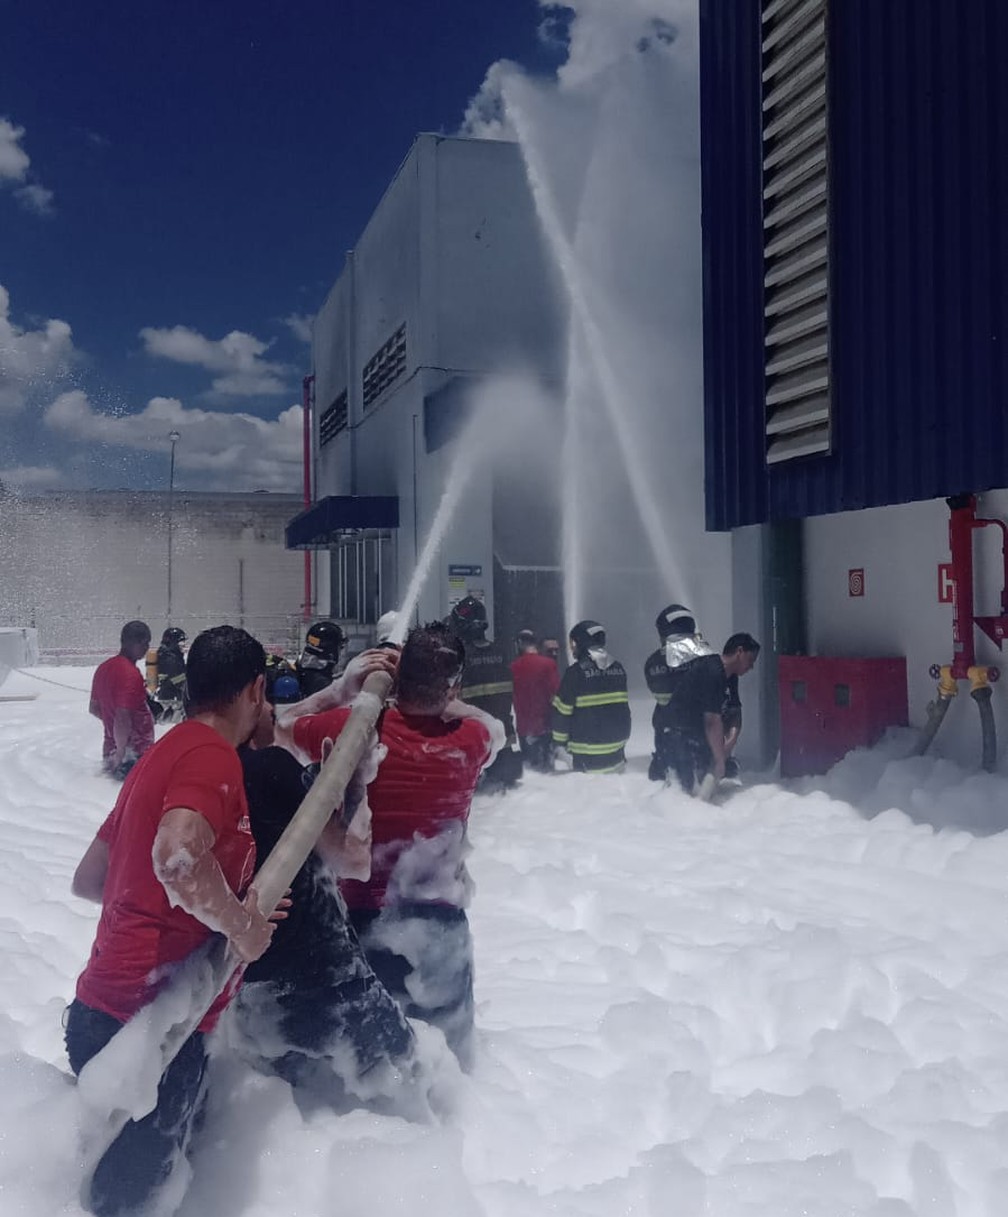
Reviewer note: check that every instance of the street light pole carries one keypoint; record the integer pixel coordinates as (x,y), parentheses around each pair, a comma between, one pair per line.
(174,437)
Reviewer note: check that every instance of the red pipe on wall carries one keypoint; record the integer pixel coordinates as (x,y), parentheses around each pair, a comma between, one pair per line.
(962,517)
(307,385)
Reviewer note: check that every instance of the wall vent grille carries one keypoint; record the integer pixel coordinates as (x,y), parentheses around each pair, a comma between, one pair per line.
(796,228)
(385,366)
(333,420)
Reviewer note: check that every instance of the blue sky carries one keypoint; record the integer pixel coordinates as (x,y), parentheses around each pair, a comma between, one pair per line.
(173,173)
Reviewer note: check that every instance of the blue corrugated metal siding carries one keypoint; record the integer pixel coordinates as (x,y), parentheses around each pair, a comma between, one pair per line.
(732,223)
(919,260)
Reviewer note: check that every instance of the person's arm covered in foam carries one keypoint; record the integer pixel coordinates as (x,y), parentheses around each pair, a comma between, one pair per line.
(185,866)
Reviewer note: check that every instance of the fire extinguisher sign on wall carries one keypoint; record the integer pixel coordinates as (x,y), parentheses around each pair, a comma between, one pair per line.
(856,581)
(946,583)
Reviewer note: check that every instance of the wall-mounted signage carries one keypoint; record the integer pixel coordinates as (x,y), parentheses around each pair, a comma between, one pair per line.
(946,583)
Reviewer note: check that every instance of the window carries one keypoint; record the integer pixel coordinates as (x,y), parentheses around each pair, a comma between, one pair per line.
(795,228)
(384,367)
(333,420)
(362,572)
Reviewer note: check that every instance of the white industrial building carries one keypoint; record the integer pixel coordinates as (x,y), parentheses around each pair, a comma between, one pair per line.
(448,288)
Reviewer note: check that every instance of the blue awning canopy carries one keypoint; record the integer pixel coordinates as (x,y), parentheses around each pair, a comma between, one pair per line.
(338,514)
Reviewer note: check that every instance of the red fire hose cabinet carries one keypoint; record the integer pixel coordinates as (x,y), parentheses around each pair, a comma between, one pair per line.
(829,706)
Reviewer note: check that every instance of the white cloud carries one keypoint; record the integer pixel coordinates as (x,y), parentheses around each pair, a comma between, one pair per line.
(14,161)
(229,451)
(31,477)
(36,198)
(30,358)
(14,171)
(300,325)
(236,358)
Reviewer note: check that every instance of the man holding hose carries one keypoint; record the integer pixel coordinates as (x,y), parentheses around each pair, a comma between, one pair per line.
(171,865)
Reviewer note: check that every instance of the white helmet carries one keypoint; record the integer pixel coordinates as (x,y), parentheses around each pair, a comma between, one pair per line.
(386,626)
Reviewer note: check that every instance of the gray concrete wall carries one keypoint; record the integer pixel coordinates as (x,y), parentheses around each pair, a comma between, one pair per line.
(77,565)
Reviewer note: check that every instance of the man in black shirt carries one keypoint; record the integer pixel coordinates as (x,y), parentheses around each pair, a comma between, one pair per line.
(312,1006)
(703,716)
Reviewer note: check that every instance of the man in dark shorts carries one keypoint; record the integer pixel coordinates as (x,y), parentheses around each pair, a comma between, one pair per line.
(170,866)
(704,698)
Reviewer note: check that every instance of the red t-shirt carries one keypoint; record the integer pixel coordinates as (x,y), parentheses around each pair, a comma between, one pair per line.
(422,793)
(536,680)
(139,934)
(118,684)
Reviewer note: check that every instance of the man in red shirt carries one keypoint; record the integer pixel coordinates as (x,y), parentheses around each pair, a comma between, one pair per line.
(119,699)
(410,914)
(536,679)
(171,865)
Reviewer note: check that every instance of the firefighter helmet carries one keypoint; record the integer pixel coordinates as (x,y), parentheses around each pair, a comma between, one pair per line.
(386,626)
(285,690)
(468,619)
(173,636)
(587,634)
(325,639)
(676,619)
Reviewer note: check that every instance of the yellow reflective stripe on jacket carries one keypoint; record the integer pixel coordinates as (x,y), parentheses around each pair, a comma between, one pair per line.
(561,706)
(607,768)
(575,748)
(601,699)
(663,699)
(561,737)
(500,686)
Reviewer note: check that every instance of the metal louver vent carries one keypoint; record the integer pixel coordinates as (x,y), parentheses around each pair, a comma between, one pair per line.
(333,420)
(795,228)
(384,367)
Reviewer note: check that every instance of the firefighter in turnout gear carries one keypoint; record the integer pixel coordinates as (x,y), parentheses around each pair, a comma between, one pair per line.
(317,663)
(487,683)
(591,711)
(171,675)
(704,715)
(680,643)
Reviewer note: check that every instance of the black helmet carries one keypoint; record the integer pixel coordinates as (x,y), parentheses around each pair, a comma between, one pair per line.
(468,619)
(676,619)
(173,636)
(325,639)
(587,634)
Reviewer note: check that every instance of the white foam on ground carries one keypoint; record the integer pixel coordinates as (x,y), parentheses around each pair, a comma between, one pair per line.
(783,1005)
